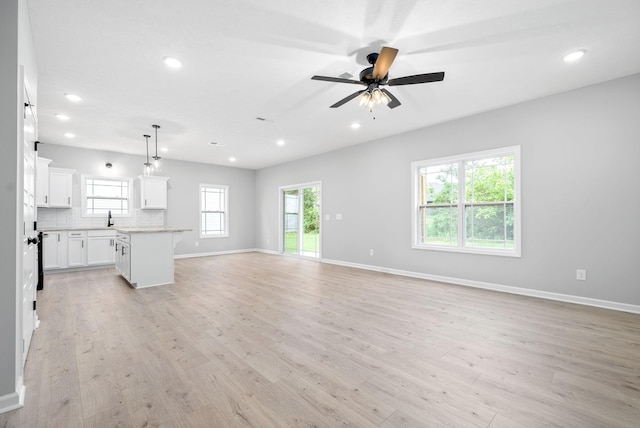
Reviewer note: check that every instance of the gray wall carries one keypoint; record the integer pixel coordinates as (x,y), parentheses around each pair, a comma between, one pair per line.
(183,192)
(580,204)
(17,54)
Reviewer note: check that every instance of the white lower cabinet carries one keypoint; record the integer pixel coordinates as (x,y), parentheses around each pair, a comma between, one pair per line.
(54,250)
(76,249)
(101,247)
(123,256)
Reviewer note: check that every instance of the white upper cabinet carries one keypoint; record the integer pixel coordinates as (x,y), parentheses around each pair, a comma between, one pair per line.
(42,182)
(60,187)
(153,193)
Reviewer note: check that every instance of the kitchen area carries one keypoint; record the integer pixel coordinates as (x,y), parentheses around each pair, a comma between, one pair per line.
(135,241)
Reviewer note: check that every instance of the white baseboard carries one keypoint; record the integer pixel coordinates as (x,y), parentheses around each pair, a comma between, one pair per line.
(214,253)
(587,301)
(262,250)
(13,401)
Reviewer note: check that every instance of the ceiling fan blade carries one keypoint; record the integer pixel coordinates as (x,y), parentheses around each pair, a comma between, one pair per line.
(418,78)
(394,101)
(336,79)
(347,99)
(384,61)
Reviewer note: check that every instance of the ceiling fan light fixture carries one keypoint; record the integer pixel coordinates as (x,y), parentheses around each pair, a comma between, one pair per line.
(376,96)
(385,99)
(364,99)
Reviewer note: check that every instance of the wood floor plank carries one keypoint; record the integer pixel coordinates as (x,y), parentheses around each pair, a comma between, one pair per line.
(257,340)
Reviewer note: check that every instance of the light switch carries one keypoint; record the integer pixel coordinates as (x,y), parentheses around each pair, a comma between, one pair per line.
(327,217)
(338,216)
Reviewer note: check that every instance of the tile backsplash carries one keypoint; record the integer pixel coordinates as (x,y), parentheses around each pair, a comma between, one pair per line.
(72,217)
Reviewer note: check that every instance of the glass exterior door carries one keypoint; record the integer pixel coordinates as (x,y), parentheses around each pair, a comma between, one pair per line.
(301,220)
(292,221)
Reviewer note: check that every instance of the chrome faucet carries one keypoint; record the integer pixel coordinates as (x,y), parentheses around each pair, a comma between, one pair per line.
(109,220)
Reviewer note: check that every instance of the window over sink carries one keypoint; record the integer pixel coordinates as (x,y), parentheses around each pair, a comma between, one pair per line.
(103,194)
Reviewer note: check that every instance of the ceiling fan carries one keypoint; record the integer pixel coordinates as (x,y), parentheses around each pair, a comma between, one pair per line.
(378,75)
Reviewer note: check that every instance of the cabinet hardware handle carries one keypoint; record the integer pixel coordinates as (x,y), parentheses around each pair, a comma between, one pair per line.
(58,237)
(69,200)
(145,202)
(116,247)
(82,243)
(45,199)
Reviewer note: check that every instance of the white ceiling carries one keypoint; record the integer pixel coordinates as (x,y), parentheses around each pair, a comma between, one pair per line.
(245,59)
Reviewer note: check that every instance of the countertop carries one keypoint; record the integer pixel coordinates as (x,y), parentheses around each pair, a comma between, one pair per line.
(118,229)
(150,229)
(61,229)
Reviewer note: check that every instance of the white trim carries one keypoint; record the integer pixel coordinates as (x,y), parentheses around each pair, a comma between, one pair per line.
(586,301)
(224,187)
(83,194)
(460,248)
(299,186)
(14,400)
(262,250)
(214,253)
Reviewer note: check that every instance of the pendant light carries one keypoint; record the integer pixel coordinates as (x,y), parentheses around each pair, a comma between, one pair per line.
(147,164)
(156,158)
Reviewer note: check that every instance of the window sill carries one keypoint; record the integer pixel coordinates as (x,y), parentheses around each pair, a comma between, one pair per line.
(480,251)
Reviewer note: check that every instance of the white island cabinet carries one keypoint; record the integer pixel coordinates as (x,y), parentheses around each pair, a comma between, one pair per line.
(144,256)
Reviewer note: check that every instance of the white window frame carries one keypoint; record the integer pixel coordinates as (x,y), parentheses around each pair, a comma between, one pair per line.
(226,210)
(461,220)
(83,193)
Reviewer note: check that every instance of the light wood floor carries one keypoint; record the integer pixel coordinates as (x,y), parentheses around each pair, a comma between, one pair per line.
(257,340)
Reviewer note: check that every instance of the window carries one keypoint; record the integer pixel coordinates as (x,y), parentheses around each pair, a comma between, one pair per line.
(468,203)
(103,194)
(214,215)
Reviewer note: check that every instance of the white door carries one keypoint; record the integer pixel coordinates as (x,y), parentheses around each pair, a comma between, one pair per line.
(29,238)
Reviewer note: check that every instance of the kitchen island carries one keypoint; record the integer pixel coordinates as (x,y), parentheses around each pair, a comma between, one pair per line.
(144,255)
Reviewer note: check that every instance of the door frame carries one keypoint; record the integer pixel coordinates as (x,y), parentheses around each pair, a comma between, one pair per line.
(31,227)
(281,191)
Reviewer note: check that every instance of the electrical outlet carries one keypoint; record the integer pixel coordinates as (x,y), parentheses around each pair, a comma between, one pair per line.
(197,243)
(371,252)
(267,241)
(581,275)
(338,216)
(327,217)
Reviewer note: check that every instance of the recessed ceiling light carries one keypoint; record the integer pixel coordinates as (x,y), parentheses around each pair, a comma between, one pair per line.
(280,143)
(355,125)
(72,97)
(69,135)
(232,159)
(164,149)
(574,56)
(172,62)
(61,116)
